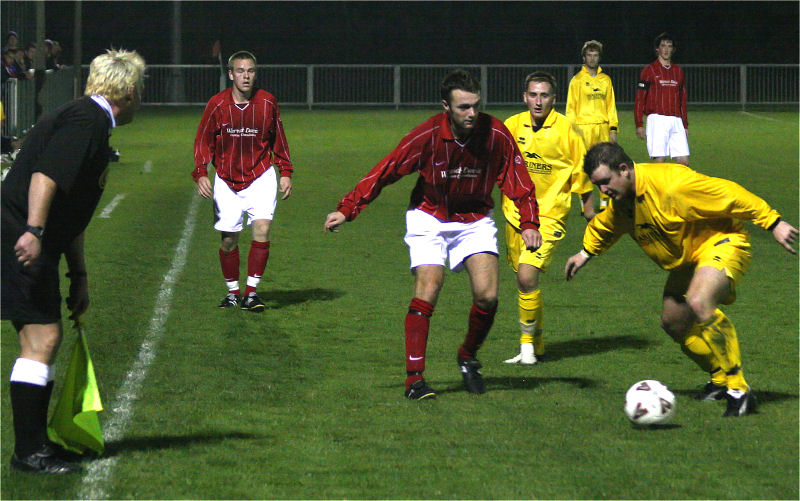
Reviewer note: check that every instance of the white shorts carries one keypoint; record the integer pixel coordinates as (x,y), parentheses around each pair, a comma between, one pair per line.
(431,241)
(666,137)
(258,200)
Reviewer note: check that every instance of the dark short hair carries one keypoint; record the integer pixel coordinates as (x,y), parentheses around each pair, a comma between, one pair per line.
(660,38)
(461,80)
(541,76)
(610,154)
(241,54)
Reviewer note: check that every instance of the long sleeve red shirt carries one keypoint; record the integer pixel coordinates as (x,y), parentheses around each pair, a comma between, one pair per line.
(455,180)
(242,140)
(662,91)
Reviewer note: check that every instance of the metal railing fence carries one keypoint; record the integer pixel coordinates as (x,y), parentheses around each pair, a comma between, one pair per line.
(19,99)
(407,85)
(415,85)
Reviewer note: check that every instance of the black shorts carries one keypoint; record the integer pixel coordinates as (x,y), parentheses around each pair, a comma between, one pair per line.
(30,294)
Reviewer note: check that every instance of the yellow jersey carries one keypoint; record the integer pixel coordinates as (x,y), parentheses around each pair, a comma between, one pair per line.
(676,210)
(590,100)
(554,158)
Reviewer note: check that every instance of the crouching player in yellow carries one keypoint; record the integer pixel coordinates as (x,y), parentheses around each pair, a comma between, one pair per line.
(690,225)
(553,151)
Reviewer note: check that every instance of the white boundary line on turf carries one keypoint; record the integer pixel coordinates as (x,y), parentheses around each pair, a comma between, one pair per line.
(148,166)
(759,116)
(106,212)
(99,472)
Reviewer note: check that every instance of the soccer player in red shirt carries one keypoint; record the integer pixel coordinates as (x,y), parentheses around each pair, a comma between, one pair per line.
(242,134)
(661,95)
(459,155)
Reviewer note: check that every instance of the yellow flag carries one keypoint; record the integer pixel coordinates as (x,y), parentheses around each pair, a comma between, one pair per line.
(74,423)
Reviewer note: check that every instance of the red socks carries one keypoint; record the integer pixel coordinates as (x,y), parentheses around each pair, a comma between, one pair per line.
(479,324)
(229,261)
(418,320)
(256,264)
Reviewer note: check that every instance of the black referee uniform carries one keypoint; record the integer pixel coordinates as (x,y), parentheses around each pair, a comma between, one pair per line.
(70,146)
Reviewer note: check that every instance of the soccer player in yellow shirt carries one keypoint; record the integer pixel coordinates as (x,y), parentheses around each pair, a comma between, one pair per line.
(690,225)
(590,101)
(553,152)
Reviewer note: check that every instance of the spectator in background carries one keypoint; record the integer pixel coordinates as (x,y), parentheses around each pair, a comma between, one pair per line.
(54,59)
(19,63)
(30,55)
(11,41)
(10,67)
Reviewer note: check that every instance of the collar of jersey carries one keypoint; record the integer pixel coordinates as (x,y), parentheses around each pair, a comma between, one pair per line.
(548,122)
(104,104)
(584,70)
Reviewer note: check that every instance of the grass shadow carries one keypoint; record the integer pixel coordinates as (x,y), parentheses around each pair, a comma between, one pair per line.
(275,299)
(506,383)
(557,350)
(157,442)
(762,397)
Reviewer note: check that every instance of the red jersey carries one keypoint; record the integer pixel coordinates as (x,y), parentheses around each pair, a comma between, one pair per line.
(661,91)
(242,140)
(455,179)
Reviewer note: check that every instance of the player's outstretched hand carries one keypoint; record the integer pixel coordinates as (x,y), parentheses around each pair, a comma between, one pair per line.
(640,133)
(333,221)
(574,264)
(285,187)
(532,239)
(204,187)
(786,235)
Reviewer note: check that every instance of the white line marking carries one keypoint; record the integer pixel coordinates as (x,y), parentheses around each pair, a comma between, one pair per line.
(148,166)
(106,212)
(98,473)
(759,116)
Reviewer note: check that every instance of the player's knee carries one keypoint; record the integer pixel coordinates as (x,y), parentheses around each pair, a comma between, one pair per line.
(486,302)
(702,309)
(676,328)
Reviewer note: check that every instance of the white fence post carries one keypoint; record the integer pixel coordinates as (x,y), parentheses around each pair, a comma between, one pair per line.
(743,83)
(310,86)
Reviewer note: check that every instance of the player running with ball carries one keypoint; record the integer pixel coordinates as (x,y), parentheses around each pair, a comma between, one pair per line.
(690,225)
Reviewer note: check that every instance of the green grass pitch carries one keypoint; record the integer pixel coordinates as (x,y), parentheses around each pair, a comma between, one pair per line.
(305,400)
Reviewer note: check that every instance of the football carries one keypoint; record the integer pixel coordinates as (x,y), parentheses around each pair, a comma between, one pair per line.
(649,402)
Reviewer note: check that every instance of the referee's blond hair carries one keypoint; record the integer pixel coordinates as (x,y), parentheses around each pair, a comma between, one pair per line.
(116,74)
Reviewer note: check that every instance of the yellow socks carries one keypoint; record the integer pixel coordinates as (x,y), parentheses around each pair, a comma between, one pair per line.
(530,319)
(720,335)
(696,348)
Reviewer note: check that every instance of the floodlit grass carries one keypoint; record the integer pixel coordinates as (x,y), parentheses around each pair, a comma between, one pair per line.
(305,400)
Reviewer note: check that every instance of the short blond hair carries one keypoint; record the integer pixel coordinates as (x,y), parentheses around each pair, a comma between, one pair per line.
(592,45)
(115,74)
(241,54)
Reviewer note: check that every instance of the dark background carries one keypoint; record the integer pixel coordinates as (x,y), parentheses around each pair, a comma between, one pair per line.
(526,32)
